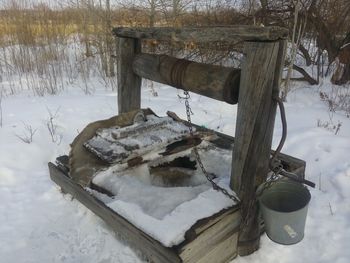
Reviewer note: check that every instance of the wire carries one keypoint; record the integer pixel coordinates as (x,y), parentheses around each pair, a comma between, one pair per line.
(284,134)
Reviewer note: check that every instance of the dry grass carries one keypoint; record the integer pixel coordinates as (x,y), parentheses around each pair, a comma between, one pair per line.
(45,50)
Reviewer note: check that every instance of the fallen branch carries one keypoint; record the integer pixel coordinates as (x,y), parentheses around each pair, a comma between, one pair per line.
(306,76)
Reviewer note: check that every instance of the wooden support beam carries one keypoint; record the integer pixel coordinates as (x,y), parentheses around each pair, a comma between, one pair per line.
(223,34)
(129,84)
(217,82)
(263,166)
(254,127)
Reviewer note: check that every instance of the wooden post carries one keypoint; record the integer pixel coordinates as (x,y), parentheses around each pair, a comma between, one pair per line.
(129,84)
(254,127)
(263,166)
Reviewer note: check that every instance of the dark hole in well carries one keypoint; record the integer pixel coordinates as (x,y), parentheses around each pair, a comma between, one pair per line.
(181,145)
(183,162)
(176,173)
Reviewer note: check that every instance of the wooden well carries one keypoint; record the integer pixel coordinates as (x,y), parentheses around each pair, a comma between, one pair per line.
(222,236)
(264,51)
(211,239)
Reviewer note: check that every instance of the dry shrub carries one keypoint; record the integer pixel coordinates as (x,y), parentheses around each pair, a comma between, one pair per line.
(44,50)
(338,99)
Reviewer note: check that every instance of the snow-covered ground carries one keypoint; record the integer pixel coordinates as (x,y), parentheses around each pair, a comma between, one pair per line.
(40,224)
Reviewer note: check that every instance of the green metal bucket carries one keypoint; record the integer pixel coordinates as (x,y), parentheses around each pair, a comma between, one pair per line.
(284,208)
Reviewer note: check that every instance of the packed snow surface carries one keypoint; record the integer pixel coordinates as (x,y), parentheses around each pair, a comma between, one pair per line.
(162,211)
(40,224)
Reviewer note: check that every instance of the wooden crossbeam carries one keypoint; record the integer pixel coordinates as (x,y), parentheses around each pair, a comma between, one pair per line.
(225,34)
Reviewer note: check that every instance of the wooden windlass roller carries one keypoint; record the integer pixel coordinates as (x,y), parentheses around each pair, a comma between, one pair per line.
(217,82)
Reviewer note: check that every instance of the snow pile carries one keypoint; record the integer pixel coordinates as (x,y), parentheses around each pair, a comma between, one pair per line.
(166,213)
(40,224)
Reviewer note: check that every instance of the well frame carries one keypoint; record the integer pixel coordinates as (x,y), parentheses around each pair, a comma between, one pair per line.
(260,76)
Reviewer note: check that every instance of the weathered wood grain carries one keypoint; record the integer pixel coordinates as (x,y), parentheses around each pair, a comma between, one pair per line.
(254,127)
(222,34)
(263,167)
(217,82)
(217,243)
(202,225)
(129,84)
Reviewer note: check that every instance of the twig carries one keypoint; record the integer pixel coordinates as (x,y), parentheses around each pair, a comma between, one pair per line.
(330,208)
(28,134)
(319,182)
(52,127)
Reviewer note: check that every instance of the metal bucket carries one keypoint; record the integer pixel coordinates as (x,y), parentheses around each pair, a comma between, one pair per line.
(284,209)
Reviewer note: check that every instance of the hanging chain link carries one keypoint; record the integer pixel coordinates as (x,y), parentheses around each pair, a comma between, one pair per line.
(275,166)
(209,176)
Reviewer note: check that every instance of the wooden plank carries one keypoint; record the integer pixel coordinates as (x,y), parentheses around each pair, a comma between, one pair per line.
(136,238)
(230,34)
(217,82)
(224,141)
(263,168)
(204,224)
(289,163)
(254,127)
(129,84)
(218,243)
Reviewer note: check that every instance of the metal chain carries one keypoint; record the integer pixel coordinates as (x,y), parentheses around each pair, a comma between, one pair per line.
(275,165)
(197,156)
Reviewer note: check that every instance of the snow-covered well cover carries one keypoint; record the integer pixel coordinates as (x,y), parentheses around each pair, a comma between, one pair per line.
(163,211)
(120,144)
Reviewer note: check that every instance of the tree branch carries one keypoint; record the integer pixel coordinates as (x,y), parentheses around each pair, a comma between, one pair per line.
(306,76)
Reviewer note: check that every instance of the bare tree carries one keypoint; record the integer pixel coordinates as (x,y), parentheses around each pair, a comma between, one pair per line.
(295,41)
(327,23)
(174,9)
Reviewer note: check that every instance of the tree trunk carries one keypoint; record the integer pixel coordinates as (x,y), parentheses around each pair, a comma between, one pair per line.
(306,55)
(153,13)
(342,74)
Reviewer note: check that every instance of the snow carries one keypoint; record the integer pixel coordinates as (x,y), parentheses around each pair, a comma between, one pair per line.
(40,224)
(154,207)
(121,144)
